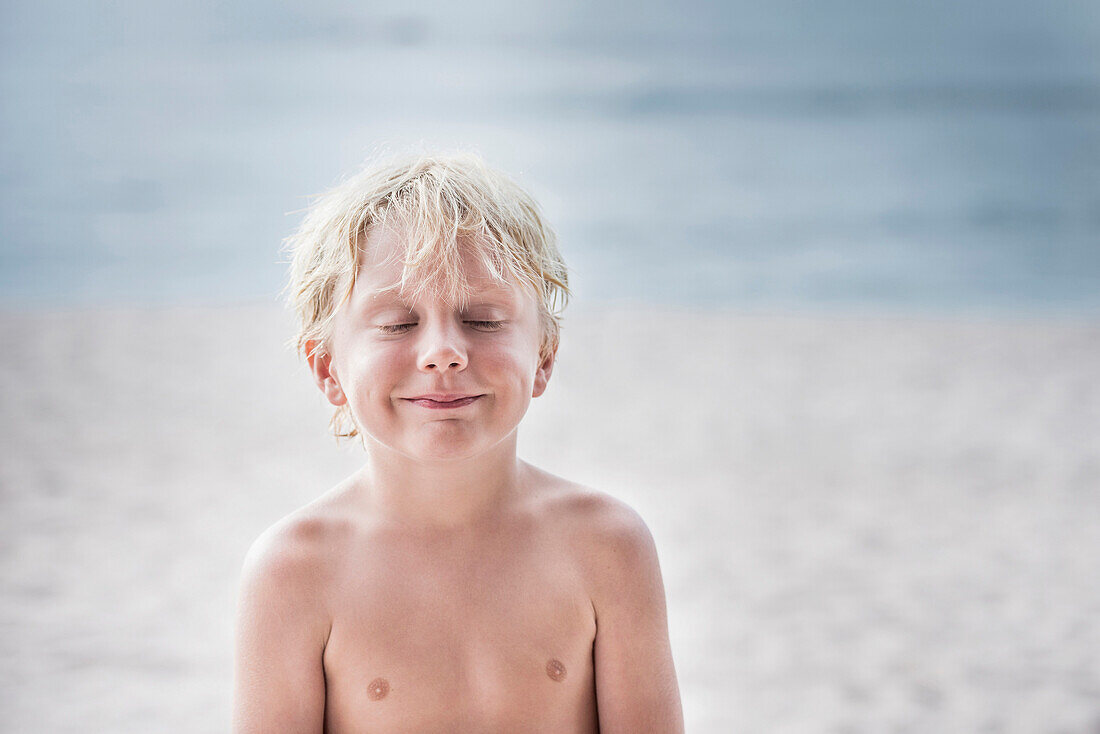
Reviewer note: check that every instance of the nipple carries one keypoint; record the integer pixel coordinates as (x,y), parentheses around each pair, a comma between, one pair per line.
(555,669)
(378,689)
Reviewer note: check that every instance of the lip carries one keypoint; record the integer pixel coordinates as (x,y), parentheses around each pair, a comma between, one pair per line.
(443,402)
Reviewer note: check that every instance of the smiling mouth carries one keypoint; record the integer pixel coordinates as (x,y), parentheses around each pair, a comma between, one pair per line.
(443,402)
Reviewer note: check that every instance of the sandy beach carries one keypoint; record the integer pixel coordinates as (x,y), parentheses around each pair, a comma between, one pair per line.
(866,524)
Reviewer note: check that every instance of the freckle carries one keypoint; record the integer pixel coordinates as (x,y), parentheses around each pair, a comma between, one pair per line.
(555,669)
(378,689)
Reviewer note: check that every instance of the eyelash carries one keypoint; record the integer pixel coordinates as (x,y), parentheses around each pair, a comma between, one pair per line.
(486,325)
(402,328)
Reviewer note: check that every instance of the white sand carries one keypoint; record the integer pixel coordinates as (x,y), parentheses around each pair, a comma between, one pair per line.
(879,525)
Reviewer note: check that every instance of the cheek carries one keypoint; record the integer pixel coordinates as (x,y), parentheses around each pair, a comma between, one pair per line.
(515,363)
(371,375)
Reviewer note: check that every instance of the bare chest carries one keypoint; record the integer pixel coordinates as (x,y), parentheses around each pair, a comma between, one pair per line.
(485,636)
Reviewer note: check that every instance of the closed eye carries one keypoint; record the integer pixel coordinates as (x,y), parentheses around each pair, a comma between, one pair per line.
(395,328)
(486,325)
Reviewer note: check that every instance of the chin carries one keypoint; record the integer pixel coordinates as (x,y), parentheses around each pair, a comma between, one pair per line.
(443,444)
(444,451)
(449,453)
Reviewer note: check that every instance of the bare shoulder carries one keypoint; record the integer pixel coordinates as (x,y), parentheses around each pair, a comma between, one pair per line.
(610,538)
(298,556)
(616,558)
(284,618)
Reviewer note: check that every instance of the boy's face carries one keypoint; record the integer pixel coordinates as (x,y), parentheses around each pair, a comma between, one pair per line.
(428,379)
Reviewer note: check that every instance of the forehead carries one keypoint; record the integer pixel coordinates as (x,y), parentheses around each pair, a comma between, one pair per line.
(454,273)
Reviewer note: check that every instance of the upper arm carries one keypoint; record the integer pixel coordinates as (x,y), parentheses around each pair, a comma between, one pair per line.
(636,689)
(281,630)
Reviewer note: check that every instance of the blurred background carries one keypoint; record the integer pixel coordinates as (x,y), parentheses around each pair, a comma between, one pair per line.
(849,252)
(939,155)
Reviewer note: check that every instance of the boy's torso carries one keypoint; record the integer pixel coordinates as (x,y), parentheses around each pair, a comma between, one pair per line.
(487,628)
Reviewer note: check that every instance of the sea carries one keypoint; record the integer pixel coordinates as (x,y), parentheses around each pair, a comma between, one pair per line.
(874,155)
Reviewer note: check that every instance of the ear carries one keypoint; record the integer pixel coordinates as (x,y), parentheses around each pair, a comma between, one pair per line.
(542,374)
(320,364)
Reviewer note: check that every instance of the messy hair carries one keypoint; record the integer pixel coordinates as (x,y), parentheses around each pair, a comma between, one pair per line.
(445,207)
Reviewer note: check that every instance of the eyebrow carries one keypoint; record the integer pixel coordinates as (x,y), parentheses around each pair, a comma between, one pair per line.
(385,298)
(499,297)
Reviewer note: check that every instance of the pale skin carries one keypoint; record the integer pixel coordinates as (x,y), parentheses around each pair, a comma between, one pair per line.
(448,586)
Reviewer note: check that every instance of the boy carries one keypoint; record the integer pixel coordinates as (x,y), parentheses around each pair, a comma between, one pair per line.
(447,586)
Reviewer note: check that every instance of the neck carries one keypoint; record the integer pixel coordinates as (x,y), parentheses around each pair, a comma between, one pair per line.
(450,492)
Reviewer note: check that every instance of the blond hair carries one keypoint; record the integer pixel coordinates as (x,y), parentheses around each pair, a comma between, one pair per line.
(444,206)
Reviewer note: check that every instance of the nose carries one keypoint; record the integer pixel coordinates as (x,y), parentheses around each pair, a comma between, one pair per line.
(442,348)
